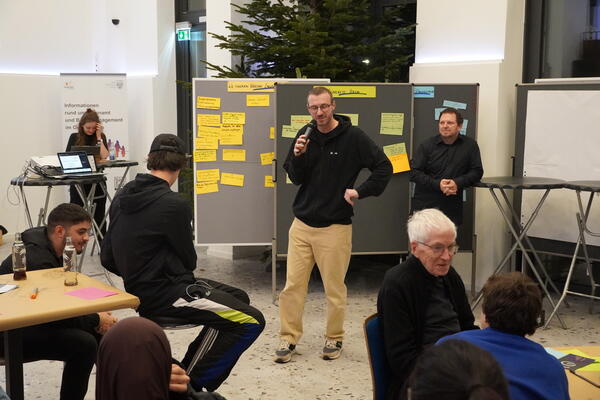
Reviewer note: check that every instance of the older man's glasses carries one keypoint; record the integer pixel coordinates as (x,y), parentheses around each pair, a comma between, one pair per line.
(438,249)
(322,107)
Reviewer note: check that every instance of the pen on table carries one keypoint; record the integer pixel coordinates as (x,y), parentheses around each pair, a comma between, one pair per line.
(34,294)
(584,378)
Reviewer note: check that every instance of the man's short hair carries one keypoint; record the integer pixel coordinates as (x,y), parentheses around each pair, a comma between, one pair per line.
(319,90)
(512,303)
(167,152)
(422,224)
(450,110)
(67,215)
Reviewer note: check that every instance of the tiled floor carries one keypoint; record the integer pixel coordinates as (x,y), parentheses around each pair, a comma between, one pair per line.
(256,376)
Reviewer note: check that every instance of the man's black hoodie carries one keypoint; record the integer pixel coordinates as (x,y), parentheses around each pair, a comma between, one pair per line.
(149,242)
(329,166)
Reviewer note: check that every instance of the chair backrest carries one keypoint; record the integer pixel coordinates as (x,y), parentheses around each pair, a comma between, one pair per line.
(380,372)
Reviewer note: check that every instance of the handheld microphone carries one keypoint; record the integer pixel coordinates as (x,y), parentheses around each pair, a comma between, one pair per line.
(309,128)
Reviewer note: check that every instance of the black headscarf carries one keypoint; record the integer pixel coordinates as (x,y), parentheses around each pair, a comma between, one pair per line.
(134,362)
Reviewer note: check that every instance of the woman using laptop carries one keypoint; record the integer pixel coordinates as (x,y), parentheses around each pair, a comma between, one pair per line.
(90,133)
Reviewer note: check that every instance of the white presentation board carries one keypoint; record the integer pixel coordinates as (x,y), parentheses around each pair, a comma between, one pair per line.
(562,141)
(107,95)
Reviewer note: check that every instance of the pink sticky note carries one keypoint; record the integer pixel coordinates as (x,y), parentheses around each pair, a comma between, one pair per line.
(90,293)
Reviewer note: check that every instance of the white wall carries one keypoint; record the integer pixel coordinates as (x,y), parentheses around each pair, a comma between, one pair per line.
(78,36)
(497,79)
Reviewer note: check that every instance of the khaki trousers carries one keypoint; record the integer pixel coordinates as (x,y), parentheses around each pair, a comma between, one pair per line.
(330,248)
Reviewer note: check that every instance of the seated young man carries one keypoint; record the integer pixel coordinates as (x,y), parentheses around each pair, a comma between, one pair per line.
(422,299)
(149,243)
(72,340)
(512,305)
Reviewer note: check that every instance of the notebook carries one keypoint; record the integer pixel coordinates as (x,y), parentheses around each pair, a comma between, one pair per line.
(76,164)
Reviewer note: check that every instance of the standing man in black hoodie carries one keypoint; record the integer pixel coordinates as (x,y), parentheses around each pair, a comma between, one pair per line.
(149,244)
(325,162)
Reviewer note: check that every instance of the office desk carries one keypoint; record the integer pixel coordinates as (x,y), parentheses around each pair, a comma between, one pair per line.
(579,389)
(49,183)
(513,220)
(18,310)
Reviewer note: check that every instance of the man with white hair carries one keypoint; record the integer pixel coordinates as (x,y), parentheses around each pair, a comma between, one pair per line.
(423,298)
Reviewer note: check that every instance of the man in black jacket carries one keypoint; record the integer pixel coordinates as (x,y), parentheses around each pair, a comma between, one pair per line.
(149,244)
(325,162)
(423,298)
(72,340)
(443,166)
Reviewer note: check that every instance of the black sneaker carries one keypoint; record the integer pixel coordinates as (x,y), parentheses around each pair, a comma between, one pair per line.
(285,351)
(332,349)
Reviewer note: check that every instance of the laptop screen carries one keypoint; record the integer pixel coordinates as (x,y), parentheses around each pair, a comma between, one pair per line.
(74,162)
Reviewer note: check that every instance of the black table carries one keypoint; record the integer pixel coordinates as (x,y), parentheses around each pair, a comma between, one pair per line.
(582,216)
(501,184)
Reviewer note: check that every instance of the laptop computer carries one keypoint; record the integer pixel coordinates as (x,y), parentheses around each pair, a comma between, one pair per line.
(76,164)
(89,150)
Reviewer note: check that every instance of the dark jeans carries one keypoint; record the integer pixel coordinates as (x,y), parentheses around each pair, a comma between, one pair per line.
(226,309)
(100,203)
(76,347)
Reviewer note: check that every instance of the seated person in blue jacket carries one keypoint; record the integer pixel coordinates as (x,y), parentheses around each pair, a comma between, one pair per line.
(423,298)
(512,305)
(73,340)
(149,243)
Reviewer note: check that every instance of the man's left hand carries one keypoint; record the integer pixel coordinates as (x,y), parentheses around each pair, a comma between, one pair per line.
(451,188)
(106,322)
(349,195)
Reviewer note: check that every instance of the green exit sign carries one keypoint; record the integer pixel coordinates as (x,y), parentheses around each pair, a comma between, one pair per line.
(183,34)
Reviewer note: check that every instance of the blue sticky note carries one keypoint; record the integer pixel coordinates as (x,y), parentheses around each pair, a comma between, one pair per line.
(423,92)
(438,111)
(463,130)
(455,104)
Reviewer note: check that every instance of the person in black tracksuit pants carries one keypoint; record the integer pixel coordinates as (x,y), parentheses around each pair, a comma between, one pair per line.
(149,243)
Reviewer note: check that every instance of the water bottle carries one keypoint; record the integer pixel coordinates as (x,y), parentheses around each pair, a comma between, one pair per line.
(70,263)
(18,259)
(111,150)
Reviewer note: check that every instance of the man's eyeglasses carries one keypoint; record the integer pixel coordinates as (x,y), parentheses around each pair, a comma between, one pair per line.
(438,249)
(323,107)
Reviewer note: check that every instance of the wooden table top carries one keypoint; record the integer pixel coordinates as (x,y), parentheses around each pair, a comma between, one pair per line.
(18,310)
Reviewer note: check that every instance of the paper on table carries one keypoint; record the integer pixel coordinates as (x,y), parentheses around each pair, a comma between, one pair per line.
(592,367)
(90,293)
(7,288)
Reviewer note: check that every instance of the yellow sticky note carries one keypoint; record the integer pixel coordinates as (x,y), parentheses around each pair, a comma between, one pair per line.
(269,181)
(232,179)
(211,131)
(232,140)
(353,91)
(272,132)
(394,149)
(234,155)
(392,123)
(257,100)
(251,86)
(266,158)
(231,130)
(208,119)
(353,118)
(288,131)
(205,155)
(212,103)
(208,175)
(400,163)
(206,187)
(207,143)
(298,121)
(234,118)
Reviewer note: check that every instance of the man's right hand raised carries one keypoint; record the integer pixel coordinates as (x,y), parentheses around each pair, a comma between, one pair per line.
(301,145)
